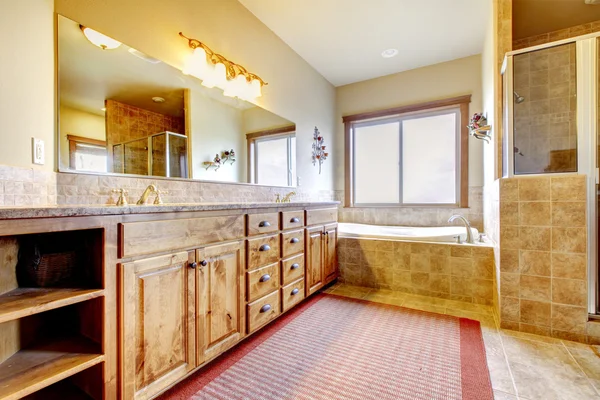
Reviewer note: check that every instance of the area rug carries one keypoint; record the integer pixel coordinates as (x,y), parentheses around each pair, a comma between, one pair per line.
(333,347)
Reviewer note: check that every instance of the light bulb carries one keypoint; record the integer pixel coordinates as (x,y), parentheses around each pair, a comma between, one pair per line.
(209,80)
(255,89)
(220,75)
(242,87)
(230,89)
(196,64)
(98,39)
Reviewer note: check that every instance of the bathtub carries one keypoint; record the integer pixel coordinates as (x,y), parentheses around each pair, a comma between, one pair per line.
(416,234)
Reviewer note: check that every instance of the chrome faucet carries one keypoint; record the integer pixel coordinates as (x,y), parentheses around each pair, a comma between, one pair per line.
(467,225)
(288,197)
(147,192)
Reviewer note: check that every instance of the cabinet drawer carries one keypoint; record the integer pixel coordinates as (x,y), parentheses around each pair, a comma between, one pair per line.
(292,219)
(263,251)
(292,294)
(262,281)
(262,223)
(137,238)
(292,243)
(292,268)
(314,217)
(262,311)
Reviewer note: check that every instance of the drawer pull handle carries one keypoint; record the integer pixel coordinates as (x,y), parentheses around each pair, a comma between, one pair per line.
(294,240)
(264,247)
(193,265)
(264,224)
(295,292)
(265,308)
(204,263)
(294,220)
(295,266)
(265,278)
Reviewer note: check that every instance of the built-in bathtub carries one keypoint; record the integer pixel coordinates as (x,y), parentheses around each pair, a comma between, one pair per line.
(415,234)
(426,261)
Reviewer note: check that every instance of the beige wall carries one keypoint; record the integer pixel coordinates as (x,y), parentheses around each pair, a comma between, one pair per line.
(295,91)
(78,123)
(26,81)
(449,79)
(216,127)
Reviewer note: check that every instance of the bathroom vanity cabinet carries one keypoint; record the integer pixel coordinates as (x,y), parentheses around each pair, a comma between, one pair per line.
(166,292)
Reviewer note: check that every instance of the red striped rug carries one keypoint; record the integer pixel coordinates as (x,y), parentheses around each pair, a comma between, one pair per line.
(333,347)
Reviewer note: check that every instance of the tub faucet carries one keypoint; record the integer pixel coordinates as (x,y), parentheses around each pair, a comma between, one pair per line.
(467,225)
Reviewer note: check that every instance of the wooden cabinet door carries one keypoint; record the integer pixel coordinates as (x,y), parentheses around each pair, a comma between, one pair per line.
(221,296)
(314,259)
(330,253)
(157,323)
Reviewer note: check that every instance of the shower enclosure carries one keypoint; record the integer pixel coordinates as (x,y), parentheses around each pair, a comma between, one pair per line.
(161,154)
(551,122)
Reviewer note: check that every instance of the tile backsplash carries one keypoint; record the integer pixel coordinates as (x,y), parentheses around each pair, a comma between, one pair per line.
(26,186)
(417,216)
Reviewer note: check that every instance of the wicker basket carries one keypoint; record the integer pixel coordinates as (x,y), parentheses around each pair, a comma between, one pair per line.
(37,269)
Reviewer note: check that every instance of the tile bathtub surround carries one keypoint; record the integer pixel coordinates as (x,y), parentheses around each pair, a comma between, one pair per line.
(543,261)
(26,187)
(448,271)
(97,189)
(417,216)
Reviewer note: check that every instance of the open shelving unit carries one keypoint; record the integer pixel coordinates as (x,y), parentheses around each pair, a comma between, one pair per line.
(52,337)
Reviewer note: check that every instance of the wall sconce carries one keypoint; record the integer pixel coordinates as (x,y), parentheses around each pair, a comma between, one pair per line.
(228,155)
(98,39)
(479,128)
(215,70)
(318,154)
(215,163)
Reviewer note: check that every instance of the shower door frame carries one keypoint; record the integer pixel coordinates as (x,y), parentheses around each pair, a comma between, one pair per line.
(587,140)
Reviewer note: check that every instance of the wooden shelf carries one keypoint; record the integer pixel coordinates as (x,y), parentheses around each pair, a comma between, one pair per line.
(59,391)
(35,368)
(22,302)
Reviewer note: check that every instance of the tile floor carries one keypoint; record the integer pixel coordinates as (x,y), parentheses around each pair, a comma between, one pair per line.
(522,366)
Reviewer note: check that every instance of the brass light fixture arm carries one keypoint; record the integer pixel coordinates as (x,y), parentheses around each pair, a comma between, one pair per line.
(233,69)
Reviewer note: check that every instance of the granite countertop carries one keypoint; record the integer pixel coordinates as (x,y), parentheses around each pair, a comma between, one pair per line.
(89,210)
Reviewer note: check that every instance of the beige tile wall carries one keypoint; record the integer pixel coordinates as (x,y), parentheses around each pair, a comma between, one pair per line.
(26,186)
(549,37)
(449,271)
(97,189)
(543,261)
(417,216)
(545,122)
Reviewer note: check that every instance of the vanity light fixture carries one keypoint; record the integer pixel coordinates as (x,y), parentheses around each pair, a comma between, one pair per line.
(215,70)
(98,39)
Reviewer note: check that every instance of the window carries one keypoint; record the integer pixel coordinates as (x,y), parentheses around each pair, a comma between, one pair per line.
(87,154)
(409,156)
(272,159)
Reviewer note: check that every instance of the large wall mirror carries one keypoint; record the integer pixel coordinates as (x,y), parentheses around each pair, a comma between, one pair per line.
(124,112)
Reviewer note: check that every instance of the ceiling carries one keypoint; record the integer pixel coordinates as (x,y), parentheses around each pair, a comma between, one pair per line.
(89,75)
(534,17)
(343,39)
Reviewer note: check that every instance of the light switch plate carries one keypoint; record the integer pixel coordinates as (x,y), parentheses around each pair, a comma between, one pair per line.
(38,151)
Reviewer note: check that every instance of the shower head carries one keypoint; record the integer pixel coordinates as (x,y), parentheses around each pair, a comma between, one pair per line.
(518,99)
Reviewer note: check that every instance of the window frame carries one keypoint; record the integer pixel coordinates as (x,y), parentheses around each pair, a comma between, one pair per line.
(74,141)
(253,138)
(458,104)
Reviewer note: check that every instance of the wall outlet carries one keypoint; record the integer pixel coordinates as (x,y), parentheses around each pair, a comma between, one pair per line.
(38,151)
(298,181)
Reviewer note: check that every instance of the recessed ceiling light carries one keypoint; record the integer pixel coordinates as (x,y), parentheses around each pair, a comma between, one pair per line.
(158,99)
(389,53)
